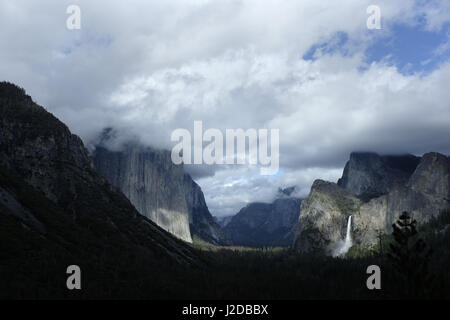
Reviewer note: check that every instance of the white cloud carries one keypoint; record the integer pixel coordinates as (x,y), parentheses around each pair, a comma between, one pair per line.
(149,67)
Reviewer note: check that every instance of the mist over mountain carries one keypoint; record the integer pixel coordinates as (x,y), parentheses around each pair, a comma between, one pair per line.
(266,224)
(223,221)
(159,189)
(369,175)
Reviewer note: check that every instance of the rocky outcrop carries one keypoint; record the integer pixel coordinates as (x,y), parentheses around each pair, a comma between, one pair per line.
(201,222)
(426,193)
(369,175)
(265,224)
(159,189)
(153,184)
(323,217)
(39,148)
(374,190)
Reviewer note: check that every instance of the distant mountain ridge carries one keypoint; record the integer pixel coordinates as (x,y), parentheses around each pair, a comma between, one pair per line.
(265,224)
(223,221)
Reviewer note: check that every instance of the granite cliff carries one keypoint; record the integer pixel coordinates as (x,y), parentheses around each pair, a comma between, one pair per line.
(374,190)
(369,175)
(201,222)
(159,189)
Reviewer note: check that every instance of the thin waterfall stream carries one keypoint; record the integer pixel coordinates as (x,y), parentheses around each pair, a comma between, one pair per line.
(348,242)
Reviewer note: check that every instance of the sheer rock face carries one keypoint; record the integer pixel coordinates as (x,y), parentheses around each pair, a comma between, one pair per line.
(369,175)
(323,217)
(427,192)
(152,183)
(160,190)
(375,191)
(432,176)
(370,221)
(265,224)
(201,222)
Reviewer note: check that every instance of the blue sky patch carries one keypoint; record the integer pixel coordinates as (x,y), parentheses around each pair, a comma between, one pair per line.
(336,44)
(411,48)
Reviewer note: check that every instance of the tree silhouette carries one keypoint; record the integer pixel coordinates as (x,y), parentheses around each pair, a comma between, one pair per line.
(410,257)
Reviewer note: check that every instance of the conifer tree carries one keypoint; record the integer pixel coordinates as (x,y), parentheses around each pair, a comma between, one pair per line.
(410,257)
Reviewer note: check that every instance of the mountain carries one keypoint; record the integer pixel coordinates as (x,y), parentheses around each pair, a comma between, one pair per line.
(369,175)
(265,224)
(324,215)
(159,189)
(374,190)
(152,183)
(56,210)
(223,221)
(201,222)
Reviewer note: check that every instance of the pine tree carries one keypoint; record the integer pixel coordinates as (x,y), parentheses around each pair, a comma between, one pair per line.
(410,257)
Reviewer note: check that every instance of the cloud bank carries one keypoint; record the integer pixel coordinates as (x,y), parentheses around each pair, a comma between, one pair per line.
(304,67)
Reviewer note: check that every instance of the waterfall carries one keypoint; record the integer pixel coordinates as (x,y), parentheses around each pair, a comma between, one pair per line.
(348,242)
(348,237)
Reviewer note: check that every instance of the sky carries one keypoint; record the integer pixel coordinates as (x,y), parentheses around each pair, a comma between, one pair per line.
(311,69)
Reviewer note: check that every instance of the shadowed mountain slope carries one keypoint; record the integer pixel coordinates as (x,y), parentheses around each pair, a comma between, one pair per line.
(56,210)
